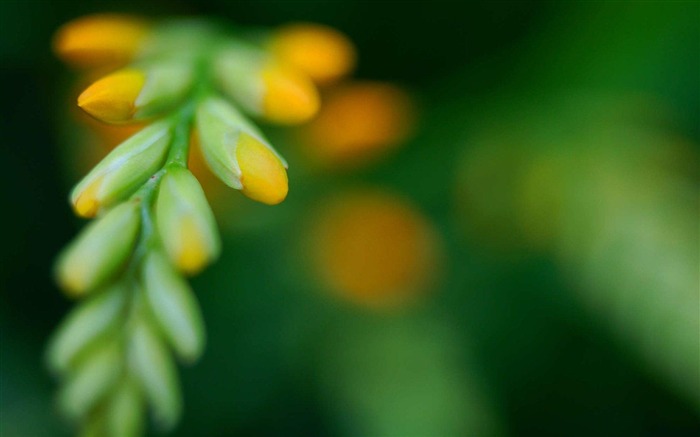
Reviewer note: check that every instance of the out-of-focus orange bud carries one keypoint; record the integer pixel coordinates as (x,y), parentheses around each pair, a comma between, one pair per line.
(358,123)
(320,51)
(374,249)
(99,40)
(289,97)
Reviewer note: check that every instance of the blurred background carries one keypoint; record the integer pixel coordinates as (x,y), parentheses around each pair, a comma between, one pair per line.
(503,239)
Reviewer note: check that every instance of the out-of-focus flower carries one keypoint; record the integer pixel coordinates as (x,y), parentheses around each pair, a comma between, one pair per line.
(174,306)
(606,188)
(93,379)
(320,51)
(360,122)
(100,40)
(403,376)
(83,326)
(374,249)
(155,370)
(264,87)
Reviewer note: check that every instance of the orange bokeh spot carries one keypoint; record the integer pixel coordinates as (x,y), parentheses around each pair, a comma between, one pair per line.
(374,249)
(358,123)
(100,40)
(320,51)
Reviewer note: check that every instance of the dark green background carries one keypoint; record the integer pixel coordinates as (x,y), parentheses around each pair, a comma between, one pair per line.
(550,367)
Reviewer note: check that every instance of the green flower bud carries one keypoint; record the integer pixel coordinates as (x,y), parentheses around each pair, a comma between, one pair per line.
(95,376)
(265,87)
(125,412)
(238,153)
(166,84)
(83,326)
(174,306)
(185,221)
(123,171)
(102,249)
(156,371)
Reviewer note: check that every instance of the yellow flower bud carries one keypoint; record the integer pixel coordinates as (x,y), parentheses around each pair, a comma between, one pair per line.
(185,221)
(239,155)
(263,176)
(321,52)
(100,251)
(121,172)
(265,87)
(288,97)
(134,94)
(100,40)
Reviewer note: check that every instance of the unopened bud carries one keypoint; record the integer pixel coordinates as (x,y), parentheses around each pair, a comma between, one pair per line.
(121,172)
(137,93)
(185,221)
(99,40)
(239,155)
(100,251)
(265,87)
(174,306)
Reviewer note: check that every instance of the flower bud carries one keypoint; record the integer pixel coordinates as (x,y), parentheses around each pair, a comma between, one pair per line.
(321,52)
(136,93)
(100,40)
(238,154)
(155,370)
(125,417)
(92,380)
(174,306)
(185,221)
(121,172)
(83,326)
(265,87)
(101,250)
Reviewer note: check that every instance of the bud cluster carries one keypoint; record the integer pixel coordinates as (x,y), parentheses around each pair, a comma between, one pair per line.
(115,352)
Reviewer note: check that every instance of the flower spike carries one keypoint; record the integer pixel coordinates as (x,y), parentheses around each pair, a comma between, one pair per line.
(115,354)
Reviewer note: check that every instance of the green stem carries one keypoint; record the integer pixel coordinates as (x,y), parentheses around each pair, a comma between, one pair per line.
(180,147)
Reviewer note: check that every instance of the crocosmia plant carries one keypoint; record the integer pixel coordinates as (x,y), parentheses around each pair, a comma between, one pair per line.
(184,80)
